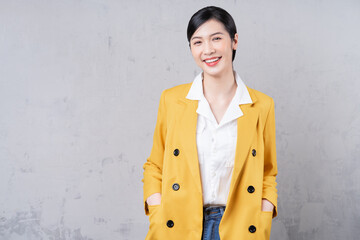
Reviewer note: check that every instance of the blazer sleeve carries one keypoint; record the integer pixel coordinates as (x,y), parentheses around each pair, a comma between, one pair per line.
(270,163)
(153,166)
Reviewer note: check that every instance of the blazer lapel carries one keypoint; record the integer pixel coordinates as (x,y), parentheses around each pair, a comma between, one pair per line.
(246,129)
(186,123)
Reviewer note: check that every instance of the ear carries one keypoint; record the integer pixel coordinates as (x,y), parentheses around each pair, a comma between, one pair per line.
(235,41)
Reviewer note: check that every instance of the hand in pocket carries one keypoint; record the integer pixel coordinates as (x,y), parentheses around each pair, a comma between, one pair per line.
(154,199)
(266,206)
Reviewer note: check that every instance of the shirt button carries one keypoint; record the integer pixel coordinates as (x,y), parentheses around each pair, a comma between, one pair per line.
(213,174)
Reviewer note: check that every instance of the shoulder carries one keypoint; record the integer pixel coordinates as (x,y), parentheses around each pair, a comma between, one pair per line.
(261,100)
(176,92)
(259,95)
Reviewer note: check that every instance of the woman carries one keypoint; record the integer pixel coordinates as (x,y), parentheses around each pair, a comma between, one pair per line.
(212,169)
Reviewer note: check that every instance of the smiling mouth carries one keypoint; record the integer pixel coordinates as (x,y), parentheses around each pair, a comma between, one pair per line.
(212,61)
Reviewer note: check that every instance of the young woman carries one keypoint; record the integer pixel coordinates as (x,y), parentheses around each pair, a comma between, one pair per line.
(212,169)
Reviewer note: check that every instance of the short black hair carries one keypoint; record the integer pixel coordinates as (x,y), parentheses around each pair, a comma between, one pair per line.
(212,12)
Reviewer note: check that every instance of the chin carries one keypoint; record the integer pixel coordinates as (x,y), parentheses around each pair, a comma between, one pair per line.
(213,72)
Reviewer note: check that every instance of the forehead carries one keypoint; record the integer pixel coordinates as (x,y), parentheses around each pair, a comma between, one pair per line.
(209,27)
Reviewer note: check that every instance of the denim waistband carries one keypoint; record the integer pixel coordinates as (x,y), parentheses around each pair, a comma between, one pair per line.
(213,210)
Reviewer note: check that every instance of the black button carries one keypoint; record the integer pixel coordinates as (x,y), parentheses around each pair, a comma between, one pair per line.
(170,223)
(251,189)
(176,152)
(254,152)
(252,229)
(175,186)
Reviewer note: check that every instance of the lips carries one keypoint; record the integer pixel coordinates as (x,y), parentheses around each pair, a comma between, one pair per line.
(212,61)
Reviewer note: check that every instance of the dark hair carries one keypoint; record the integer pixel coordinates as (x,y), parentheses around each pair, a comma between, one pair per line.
(208,13)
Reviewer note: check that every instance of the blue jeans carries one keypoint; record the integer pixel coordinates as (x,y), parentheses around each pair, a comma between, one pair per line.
(211,220)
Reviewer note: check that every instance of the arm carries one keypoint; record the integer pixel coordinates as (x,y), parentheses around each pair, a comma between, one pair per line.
(153,167)
(270,164)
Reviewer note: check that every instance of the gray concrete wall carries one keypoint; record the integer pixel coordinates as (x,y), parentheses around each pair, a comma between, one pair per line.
(80,83)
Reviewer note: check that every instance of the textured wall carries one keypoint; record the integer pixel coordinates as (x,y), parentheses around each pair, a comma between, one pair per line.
(80,83)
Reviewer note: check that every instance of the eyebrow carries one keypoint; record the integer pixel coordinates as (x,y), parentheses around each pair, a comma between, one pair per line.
(210,35)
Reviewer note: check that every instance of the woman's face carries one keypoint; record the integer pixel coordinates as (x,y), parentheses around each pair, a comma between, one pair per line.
(212,47)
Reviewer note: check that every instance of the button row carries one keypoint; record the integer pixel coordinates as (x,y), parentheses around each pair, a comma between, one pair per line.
(176,187)
(177,151)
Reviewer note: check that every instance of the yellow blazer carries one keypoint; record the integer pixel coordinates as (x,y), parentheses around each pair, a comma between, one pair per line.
(174,159)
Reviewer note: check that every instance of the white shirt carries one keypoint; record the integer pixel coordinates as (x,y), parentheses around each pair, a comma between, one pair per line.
(216,143)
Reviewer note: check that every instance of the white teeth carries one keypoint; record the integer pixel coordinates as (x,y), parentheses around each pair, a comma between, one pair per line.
(212,60)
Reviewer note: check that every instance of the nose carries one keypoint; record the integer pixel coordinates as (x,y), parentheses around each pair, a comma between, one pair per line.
(208,48)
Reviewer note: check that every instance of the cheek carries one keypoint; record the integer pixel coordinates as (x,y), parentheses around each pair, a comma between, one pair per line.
(196,54)
(226,47)
(228,51)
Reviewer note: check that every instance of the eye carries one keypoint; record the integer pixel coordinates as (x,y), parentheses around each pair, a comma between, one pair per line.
(217,38)
(196,43)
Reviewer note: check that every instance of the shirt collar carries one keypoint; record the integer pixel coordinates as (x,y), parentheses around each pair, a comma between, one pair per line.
(241,96)
(196,92)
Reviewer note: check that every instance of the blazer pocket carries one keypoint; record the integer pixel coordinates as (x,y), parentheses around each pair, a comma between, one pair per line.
(155,224)
(265,223)
(153,212)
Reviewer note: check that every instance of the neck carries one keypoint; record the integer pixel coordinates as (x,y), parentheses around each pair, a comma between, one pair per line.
(215,87)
